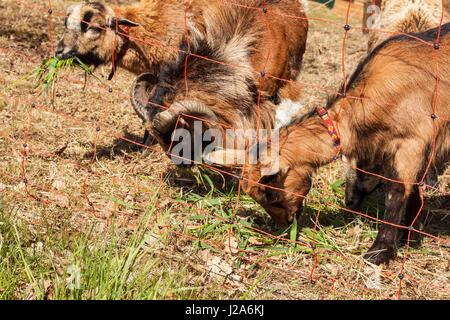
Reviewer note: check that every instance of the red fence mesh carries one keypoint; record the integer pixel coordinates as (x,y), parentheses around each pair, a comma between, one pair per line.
(101,128)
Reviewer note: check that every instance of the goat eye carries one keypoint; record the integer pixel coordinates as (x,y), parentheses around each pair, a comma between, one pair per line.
(95,29)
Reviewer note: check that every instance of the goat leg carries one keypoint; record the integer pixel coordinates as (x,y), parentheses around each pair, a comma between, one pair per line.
(354,193)
(412,209)
(384,247)
(358,184)
(148,139)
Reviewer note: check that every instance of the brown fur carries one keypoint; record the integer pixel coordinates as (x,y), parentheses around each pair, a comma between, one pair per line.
(162,28)
(229,92)
(400,16)
(389,127)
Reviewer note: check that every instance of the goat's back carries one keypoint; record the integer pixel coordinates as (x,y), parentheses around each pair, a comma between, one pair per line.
(401,86)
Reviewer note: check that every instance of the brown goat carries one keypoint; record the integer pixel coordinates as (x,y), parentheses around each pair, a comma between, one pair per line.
(399,16)
(387,119)
(90,34)
(221,86)
(150,32)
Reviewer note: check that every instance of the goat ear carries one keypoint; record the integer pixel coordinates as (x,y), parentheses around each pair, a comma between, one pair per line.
(269,176)
(121,22)
(128,23)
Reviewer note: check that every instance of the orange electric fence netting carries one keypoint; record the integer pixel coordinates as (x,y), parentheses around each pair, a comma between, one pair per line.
(101,128)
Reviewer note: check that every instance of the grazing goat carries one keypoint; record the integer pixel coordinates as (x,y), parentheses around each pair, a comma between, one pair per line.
(221,86)
(390,119)
(150,31)
(399,16)
(146,33)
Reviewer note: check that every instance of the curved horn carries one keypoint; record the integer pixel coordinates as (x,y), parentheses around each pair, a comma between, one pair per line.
(140,94)
(226,157)
(165,120)
(256,154)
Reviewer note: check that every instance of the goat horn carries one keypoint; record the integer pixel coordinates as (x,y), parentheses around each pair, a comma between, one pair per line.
(165,120)
(240,157)
(226,157)
(140,94)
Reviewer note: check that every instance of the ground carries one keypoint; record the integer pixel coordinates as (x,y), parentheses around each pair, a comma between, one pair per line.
(85,214)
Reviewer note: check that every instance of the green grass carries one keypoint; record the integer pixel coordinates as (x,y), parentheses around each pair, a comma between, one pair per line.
(47,73)
(117,264)
(85,266)
(217,210)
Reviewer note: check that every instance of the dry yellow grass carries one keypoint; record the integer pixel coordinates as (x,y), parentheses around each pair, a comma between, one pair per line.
(119,182)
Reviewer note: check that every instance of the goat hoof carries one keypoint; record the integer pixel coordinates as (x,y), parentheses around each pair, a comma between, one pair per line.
(380,254)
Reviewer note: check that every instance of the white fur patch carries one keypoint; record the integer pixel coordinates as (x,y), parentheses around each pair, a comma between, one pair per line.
(74,17)
(287,112)
(192,26)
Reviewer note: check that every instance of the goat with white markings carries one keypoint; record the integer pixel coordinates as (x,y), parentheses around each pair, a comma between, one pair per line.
(405,16)
(149,33)
(220,79)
